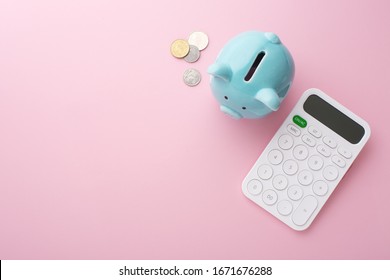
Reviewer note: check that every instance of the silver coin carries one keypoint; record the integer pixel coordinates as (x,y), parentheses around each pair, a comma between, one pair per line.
(199,39)
(193,54)
(191,77)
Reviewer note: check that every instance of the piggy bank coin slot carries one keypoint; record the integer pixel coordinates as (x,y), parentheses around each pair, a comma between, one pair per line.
(254,66)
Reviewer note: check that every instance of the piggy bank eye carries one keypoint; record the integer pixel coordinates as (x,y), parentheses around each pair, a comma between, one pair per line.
(243,108)
(254,66)
(227,98)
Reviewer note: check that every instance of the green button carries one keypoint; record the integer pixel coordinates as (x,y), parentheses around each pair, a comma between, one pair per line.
(300,121)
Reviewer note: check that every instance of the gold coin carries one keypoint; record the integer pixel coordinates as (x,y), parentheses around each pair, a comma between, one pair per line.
(180,48)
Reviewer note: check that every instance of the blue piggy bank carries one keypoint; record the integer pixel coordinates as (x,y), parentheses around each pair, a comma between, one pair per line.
(252,75)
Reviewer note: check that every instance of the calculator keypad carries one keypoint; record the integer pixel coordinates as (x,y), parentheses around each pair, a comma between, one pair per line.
(298,172)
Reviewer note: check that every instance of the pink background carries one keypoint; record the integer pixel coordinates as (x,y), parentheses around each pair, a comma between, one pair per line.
(106,154)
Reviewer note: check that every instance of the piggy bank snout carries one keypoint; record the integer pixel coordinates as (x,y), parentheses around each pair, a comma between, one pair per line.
(231,112)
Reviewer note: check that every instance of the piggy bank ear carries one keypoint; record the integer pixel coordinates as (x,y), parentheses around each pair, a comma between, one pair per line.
(269,98)
(221,71)
(272,37)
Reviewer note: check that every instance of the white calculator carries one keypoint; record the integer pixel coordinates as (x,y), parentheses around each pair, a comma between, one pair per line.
(306,159)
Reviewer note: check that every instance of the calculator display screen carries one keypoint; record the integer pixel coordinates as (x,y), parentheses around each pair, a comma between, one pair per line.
(334,119)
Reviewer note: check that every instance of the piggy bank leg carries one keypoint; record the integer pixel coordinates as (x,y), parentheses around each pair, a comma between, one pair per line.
(269,98)
(221,71)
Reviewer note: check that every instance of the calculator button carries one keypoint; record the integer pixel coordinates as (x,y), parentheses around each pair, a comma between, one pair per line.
(285,207)
(254,187)
(305,210)
(330,173)
(264,171)
(314,131)
(344,152)
(309,140)
(300,152)
(293,130)
(270,197)
(338,161)
(320,188)
(300,121)
(330,142)
(285,141)
(323,150)
(315,162)
(290,167)
(275,157)
(305,177)
(280,182)
(295,192)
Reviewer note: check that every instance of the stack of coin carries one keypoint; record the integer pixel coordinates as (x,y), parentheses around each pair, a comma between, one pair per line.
(190,51)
